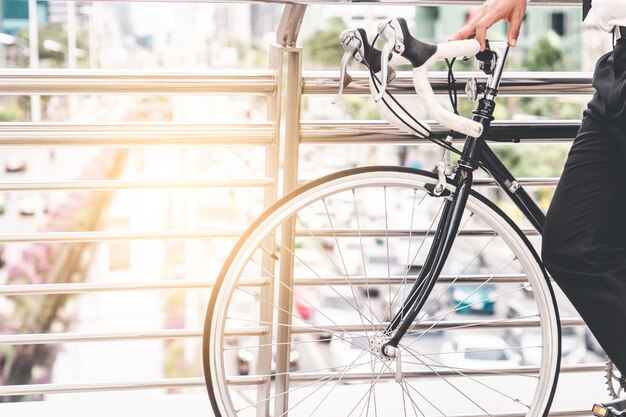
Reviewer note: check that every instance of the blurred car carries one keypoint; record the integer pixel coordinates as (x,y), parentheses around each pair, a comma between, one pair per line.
(470,298)
(32,204)
(338,305)
(476,351)
(246,359)
(573,338)
(15,164)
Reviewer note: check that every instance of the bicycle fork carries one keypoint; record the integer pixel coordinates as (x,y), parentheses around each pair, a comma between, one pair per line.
(447,229)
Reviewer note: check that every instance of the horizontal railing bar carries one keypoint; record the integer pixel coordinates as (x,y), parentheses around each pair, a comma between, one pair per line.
(23,134)
(552,413)
(339,232)
(491,183)
(336,132)
(30,389)
(8,390)
(381,132)
(101,81)
(513,83)
(56,338)
(440,325)
(87,287)
(409,279)
(372,2)
(100,236)
(347,376)
(133,184)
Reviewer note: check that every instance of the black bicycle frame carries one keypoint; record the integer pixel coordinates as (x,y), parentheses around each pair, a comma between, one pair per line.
(475,152)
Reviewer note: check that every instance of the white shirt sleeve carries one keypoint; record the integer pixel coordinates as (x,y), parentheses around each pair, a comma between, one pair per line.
(608,13)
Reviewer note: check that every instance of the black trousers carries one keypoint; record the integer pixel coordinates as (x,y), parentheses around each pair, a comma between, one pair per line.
(584,240)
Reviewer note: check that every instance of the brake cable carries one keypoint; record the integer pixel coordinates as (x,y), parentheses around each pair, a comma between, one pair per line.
(452,94)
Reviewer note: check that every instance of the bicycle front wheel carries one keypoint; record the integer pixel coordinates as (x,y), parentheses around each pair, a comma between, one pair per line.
(298,315)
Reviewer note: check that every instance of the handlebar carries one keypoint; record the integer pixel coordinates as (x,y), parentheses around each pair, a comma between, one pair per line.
(357,46)
(422,56)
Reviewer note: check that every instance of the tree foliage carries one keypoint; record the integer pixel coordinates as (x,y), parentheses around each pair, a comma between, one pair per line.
(323,46)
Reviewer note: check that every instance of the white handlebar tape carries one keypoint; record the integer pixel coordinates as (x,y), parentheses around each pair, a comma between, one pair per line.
(436,110)
(426,95)
(457,49)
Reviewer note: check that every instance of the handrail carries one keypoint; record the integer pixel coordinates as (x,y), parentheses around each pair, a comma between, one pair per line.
(512,84)
(26,134)
(100,236)
(97,81)
(183,382)
(69,337)
(134,184)
(175,284)
(378,131)
(93,81)
(417,2)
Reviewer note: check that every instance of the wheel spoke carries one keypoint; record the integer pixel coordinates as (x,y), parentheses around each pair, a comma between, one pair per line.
(359,216)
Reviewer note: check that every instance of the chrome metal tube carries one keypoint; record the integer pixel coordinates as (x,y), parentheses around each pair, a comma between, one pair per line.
(451,373)
(134,134)
(100,236)
(512,83)
(90,287)
(373,2)
(96,81)
(56,338)
(133,184)
(393,232)
(380,132)
(7,390)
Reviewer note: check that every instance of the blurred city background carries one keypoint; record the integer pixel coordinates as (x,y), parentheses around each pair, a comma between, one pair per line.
(196,37)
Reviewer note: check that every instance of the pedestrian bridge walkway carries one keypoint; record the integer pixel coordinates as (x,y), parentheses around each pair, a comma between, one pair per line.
(270,155)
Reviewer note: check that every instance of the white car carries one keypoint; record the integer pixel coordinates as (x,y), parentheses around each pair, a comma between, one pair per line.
(32,204)
(573,342)
(15,163)
(340,306)
(479,351)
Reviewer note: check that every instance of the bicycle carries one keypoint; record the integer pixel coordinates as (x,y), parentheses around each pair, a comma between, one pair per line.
(348,296)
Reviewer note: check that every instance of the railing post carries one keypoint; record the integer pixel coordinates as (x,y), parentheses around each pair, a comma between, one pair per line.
(266,295)
(287,36)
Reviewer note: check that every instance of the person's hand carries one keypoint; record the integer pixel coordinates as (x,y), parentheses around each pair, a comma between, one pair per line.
(492,11)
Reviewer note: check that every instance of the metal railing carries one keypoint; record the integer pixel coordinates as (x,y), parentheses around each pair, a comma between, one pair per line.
(280,135)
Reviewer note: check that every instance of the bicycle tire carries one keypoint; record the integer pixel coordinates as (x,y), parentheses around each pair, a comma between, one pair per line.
(214,345)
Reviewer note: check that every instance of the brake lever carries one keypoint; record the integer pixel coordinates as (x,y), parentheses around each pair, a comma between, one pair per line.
(357,46)
(351,45)
(392,34)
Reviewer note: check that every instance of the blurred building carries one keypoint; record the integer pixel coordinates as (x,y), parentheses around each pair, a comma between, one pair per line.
(15,15)
(437,23)
(57,10)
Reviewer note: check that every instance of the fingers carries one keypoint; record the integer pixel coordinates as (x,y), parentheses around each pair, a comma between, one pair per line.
(510,10)
(481,28)
(514,28)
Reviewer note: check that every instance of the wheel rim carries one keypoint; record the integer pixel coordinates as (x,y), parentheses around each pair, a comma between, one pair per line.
(411,392)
